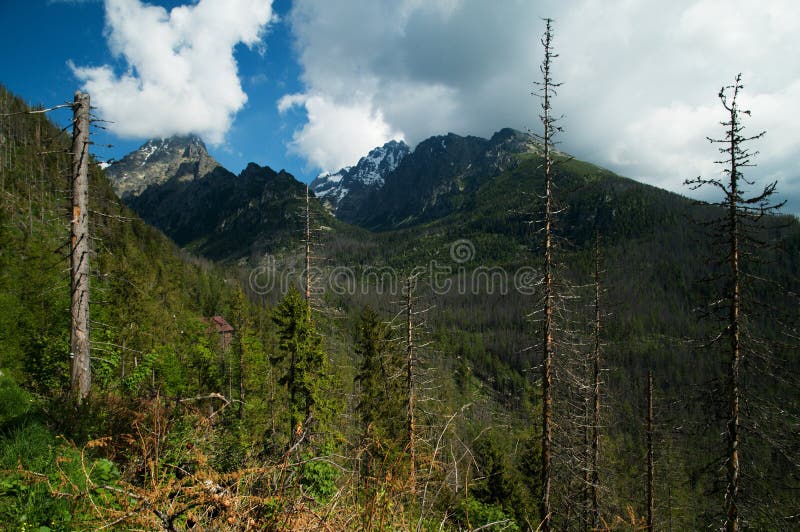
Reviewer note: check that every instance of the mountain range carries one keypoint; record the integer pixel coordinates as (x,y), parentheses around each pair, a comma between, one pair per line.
(395,187)
(406,208)
(175,185)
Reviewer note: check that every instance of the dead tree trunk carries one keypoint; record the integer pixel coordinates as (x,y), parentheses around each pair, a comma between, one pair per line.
(548,343)
(650,459)
(587,470)
(743,213)
(81,377)
(732,513)
(595,458)
(410,386)
(241,382)
(308,250)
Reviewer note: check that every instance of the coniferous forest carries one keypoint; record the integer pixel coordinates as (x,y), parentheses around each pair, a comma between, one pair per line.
(561,348)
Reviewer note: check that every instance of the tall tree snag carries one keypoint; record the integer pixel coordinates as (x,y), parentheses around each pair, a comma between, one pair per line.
(410,384)
(595,457)
(81,377)
(546,91)
(308,250)
(735,228)
(651,486)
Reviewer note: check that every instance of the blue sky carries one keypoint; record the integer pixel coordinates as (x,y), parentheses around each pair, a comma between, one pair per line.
(43,34)
(325,81)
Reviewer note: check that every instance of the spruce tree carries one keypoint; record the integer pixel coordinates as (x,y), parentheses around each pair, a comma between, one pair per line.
(380,399)
(300,349)
(380,407)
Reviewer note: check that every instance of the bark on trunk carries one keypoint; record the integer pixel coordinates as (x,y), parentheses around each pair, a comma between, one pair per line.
(81,377)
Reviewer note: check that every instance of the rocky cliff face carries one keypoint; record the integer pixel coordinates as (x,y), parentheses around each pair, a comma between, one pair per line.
(341,191)
(395,187)
(224,216)
(157,161)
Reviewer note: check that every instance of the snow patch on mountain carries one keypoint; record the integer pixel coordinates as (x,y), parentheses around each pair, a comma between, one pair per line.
(327,184)
(368,173)
(149,149)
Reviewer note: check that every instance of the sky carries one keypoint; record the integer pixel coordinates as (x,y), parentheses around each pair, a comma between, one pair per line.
(313,85)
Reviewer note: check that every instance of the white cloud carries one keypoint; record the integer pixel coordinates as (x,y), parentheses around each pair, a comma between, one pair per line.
(359,129)
(182,76)
(667,135)
(640,77)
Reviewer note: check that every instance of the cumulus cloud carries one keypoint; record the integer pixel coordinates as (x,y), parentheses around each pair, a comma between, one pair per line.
(182,76)
(640,79)
(360,128)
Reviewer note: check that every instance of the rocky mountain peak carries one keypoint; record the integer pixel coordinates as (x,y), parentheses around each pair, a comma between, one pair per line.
(371,169)
(513,141)
(181,157)
(368,173)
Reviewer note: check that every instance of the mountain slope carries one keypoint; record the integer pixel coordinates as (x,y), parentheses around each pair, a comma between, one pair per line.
(477,356)
(223,216)
(145,293)
(474,261)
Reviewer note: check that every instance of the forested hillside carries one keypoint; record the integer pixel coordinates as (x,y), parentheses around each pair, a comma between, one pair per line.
(404,393)
(160,380)
(181,430)
(655,275)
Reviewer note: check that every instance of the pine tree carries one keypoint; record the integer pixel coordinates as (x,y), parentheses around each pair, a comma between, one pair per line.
(242,326)
(380,404)
(301,350)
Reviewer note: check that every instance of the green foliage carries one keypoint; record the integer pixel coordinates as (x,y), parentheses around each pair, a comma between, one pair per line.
(14,402)
(318,477)
(104,472)
(302,356)
(381,404)
(381,401)
(141,373)
(474,513)
(26,445)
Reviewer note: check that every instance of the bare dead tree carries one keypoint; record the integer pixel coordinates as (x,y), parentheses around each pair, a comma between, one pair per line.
(651,486)
(564,355)
(79,251)
(566,369)
(547,91)
(313,260)
(595,450)
(735,228)
(410,384)
(308,250)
